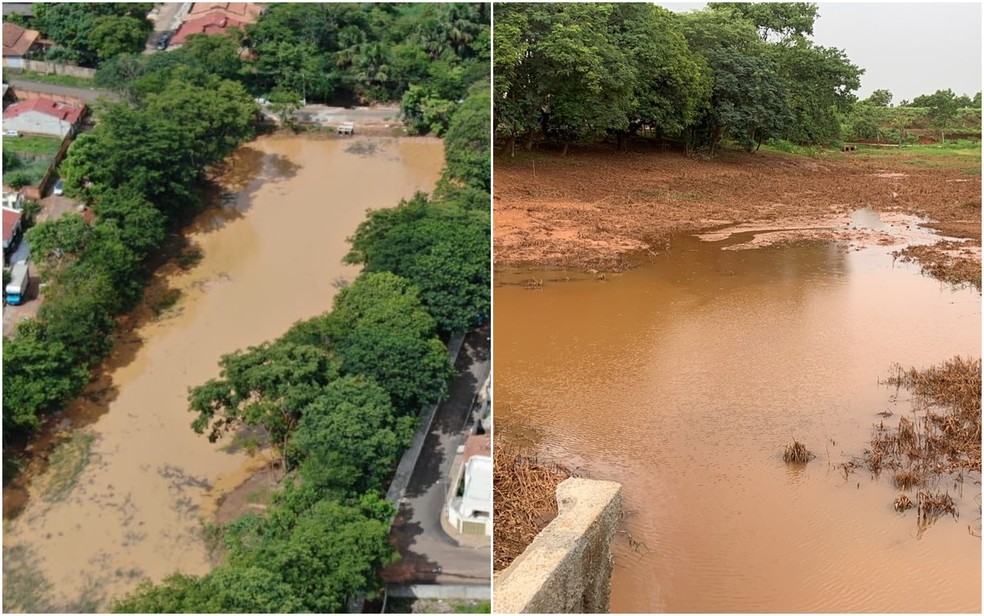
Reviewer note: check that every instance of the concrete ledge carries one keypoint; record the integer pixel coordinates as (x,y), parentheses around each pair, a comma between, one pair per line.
(470,592)
(568,567)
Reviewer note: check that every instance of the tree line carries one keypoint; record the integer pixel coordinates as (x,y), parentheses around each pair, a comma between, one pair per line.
(746,73)
(876,119)
(338,397)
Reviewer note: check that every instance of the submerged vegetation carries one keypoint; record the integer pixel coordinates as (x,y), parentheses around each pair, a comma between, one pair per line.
(939,446)
(525,493)
(797,453)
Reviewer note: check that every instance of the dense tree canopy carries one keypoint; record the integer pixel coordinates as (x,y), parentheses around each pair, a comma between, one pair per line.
(568,73)
(90,32)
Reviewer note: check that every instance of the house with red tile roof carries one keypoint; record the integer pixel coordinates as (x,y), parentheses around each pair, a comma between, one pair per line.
(215,18)
(17,42)
(11,227)
(43,116)
(213,23)
(246,12)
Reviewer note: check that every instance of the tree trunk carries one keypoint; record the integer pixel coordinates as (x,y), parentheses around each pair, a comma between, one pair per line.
(529,141)
(567,145)
(622,141)
(511,146)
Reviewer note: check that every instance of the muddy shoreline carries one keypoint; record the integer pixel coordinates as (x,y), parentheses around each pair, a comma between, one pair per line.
(594,208)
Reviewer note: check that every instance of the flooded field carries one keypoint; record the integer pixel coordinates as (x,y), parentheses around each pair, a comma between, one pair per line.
(685,378)
(143,482)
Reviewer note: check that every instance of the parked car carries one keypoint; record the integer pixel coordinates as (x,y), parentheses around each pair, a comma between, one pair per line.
(11,133)
(59,188)
(165,39)
(16,289)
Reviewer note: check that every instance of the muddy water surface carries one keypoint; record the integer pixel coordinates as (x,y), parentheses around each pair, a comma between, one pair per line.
(272,253)
(685,378)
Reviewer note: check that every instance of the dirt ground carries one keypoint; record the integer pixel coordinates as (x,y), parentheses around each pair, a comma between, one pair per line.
(593,207)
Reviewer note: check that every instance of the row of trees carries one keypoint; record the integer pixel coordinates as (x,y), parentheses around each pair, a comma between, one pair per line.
(338,397)
(139,169)
(572,73)
(89,33)
(424,55)
(875,119)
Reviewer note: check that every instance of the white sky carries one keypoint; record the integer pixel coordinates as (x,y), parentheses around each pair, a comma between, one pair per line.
(909,48)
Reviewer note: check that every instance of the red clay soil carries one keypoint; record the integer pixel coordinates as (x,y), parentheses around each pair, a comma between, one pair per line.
(592,207)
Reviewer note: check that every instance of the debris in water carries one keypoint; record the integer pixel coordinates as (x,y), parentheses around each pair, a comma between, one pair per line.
(797,453)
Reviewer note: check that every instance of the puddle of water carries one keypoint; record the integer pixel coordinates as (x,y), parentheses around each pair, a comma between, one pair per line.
(684,380)
(272,255)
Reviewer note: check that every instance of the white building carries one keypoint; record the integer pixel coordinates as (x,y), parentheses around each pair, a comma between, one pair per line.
(13,201)
(42,116)
(470,506)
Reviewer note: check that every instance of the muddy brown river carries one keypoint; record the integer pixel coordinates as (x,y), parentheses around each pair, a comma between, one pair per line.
(272,253)
(685,378)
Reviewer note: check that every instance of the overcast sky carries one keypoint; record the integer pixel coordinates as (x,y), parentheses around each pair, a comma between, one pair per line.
(907,48)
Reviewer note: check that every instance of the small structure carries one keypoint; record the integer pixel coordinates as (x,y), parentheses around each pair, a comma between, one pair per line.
(13,200)
(215,18)
(470,507)
(346,128)
(18,42)
(43,116)
(11,228)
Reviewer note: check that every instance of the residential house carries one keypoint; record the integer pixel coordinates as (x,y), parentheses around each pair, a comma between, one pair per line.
(247,12)
(18,42)
(469,509)
(43,116)
(11,228)
(215,18)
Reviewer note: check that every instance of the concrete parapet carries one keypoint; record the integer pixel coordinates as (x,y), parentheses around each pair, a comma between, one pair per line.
(568,567)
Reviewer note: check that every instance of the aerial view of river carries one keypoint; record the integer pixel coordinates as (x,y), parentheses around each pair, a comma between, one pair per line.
(686,377)
(270,254)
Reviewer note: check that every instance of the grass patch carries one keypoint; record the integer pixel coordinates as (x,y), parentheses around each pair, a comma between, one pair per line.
(33,171)
(60,80)
(473,607)
(32,144)
(68,458)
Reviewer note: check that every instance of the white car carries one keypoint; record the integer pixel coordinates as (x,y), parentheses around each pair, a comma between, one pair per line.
(11,133)
(59,188)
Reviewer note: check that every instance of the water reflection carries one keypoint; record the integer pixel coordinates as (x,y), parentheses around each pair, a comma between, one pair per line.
(685,378)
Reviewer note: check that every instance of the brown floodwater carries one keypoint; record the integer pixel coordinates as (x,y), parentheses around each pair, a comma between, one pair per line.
(685,378)
(272,249)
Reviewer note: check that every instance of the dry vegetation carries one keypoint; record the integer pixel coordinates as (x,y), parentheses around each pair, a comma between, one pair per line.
(942,440)
(797,453)
(953,262)
(525,493)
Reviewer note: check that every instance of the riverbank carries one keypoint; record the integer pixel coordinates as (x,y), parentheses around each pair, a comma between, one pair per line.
(592,208)
(136,507)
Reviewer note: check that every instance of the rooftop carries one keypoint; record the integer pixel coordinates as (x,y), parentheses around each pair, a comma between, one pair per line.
(10,220)
(17,40)
(244,11)
(212,23)
(62,111)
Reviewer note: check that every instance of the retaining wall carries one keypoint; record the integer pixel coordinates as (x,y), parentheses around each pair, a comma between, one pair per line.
(568,567)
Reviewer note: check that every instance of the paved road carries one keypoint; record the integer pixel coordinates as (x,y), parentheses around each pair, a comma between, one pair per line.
(88,95)
(428,554)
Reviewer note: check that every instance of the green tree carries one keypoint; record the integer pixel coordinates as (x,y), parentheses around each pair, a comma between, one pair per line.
(265,387)
(350,437)
(467,152)
(942,109)
(38,375)
(111,36)
(378,327)
(779,20)
(880,98)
